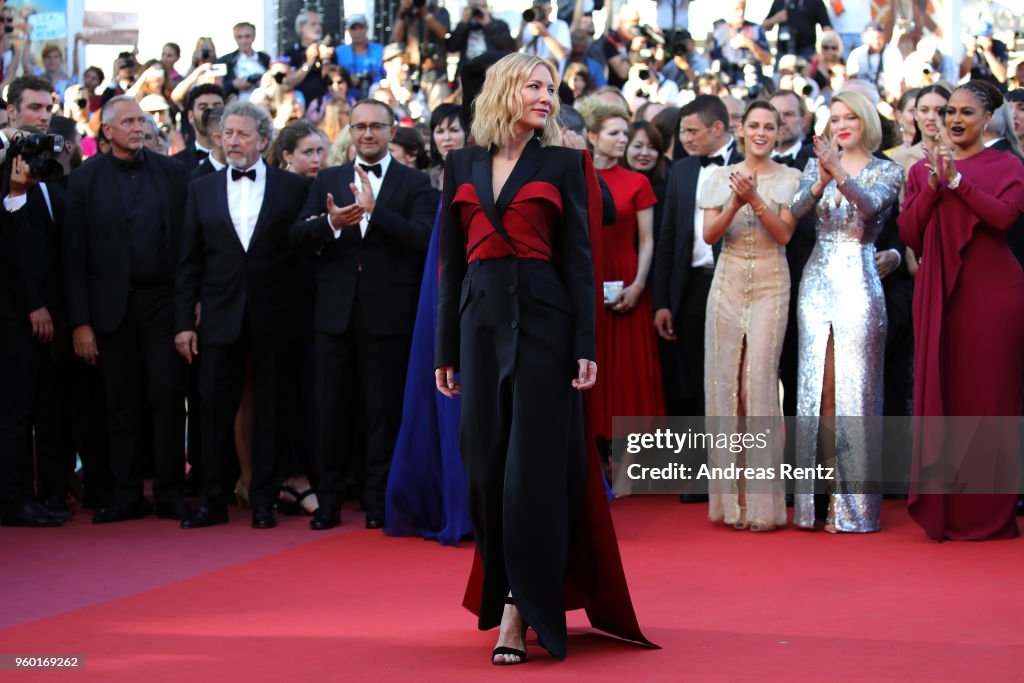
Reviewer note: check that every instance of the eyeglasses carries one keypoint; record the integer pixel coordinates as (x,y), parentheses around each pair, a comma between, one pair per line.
(829,47)
(362,127)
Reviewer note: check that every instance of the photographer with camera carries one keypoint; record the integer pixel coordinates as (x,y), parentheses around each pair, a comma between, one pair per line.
(26,300)
(739,43)
(684,64)
(423,27)
(245,66)
(646,84)
(479,32)
(878,62)
(540,35)
(797,21)
(309,56)
(122,76)
(363,58)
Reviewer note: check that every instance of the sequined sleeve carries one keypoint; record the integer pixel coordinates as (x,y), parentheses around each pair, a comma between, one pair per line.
(804,201)
(876,191)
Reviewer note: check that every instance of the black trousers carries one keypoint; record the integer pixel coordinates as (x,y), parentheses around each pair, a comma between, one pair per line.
(144,377)
(690,333)
(18,359)
(521,437)
(221,379)
(52,416)
(357,369)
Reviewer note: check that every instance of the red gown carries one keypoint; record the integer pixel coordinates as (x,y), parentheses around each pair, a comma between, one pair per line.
(627,358)
(968,346)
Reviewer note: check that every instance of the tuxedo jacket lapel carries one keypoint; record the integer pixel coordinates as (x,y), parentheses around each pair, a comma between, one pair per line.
(484,186)
(220,203)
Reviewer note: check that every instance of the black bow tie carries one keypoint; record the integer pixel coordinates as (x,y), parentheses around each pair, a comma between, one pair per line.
(375,169)
(707,161)
(133,164)
(238,175)
(201,154)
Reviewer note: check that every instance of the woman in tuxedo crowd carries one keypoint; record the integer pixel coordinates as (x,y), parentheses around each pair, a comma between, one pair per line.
(516,315)
(968,324)
(747,206)
(842,318)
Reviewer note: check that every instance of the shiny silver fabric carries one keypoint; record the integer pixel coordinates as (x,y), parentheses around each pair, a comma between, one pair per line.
(841,293)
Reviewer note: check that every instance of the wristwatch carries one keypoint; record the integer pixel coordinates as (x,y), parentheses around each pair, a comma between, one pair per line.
(955,182)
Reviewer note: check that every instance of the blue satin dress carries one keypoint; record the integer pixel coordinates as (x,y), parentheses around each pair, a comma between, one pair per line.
(427,494)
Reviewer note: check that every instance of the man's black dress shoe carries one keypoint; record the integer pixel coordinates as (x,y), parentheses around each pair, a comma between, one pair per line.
(374,519)
(205,516)
(693,498)
(325,518)
(30,513)
(58,508)
(263,517)
(120,513)
(173,510)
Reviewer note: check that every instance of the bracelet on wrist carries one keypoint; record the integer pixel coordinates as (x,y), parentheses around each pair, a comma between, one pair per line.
(760,210)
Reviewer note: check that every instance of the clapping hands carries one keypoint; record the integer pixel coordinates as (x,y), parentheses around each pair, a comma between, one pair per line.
(939,162)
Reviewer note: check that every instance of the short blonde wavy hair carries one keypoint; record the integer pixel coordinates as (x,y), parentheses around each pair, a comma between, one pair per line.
(596,112)
(870,124)
(499,106)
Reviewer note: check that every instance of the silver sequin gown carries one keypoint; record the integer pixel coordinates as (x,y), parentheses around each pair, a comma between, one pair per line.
(841,293)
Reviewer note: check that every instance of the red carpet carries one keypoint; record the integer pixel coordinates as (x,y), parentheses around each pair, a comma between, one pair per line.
(233,604)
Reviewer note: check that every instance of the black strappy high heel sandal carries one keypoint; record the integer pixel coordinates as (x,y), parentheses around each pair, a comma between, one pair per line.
(505,650)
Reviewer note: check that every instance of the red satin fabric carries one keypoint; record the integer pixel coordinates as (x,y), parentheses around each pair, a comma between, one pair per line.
(536,206)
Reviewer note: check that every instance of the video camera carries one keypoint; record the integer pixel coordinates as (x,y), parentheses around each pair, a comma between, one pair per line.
(38,150)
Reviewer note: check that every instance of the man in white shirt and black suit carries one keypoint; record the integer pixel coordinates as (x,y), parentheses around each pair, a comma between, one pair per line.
(370,247)
(237,263)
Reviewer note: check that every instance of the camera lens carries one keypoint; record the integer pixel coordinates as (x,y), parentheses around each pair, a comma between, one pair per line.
(419,3)
(279,77)
(529,14)
(81,102)
(644,74)
(477,13)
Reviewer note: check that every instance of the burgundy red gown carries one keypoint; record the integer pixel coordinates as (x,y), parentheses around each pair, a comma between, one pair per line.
(627,358)
(969,344)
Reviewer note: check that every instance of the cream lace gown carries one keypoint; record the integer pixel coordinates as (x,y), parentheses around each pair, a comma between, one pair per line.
(746,321)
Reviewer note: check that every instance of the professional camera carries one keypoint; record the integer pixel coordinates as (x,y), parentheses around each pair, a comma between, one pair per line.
(651,37)
(419,4)
(430,52)
(362,81)
(205,53)
(529,15)
(476,13)
(38,150)
(678,43)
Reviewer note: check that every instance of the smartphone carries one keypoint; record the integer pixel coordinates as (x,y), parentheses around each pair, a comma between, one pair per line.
(219,70)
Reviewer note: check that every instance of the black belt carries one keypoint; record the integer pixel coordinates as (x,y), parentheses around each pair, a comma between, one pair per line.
(704,270)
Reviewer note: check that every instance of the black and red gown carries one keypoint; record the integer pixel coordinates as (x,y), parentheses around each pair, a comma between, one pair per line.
(968,347)
(516,309)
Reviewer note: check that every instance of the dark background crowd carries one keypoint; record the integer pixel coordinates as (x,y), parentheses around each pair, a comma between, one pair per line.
(96,399)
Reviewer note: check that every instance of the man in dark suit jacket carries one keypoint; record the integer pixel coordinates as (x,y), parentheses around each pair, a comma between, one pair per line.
(245,66)
(684,263)
(216,160)
(122,230)
(199,99)
(371,246)
(236,261)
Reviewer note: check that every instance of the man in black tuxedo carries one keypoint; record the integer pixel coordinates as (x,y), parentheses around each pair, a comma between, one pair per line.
(245,66)
(199,99)
(64,387)
(371,244)
(684,263)
(794,153)
(26,321)
(237,263)
(122,234)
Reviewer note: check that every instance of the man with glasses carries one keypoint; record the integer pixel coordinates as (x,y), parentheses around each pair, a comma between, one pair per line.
(369,223)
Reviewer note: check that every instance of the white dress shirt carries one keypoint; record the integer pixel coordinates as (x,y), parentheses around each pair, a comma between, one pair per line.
(703,255)
(216,164)
(245,198)
(375,183)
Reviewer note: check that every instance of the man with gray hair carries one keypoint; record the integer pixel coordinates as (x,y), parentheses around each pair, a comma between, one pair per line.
(122,228)
(237,264)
